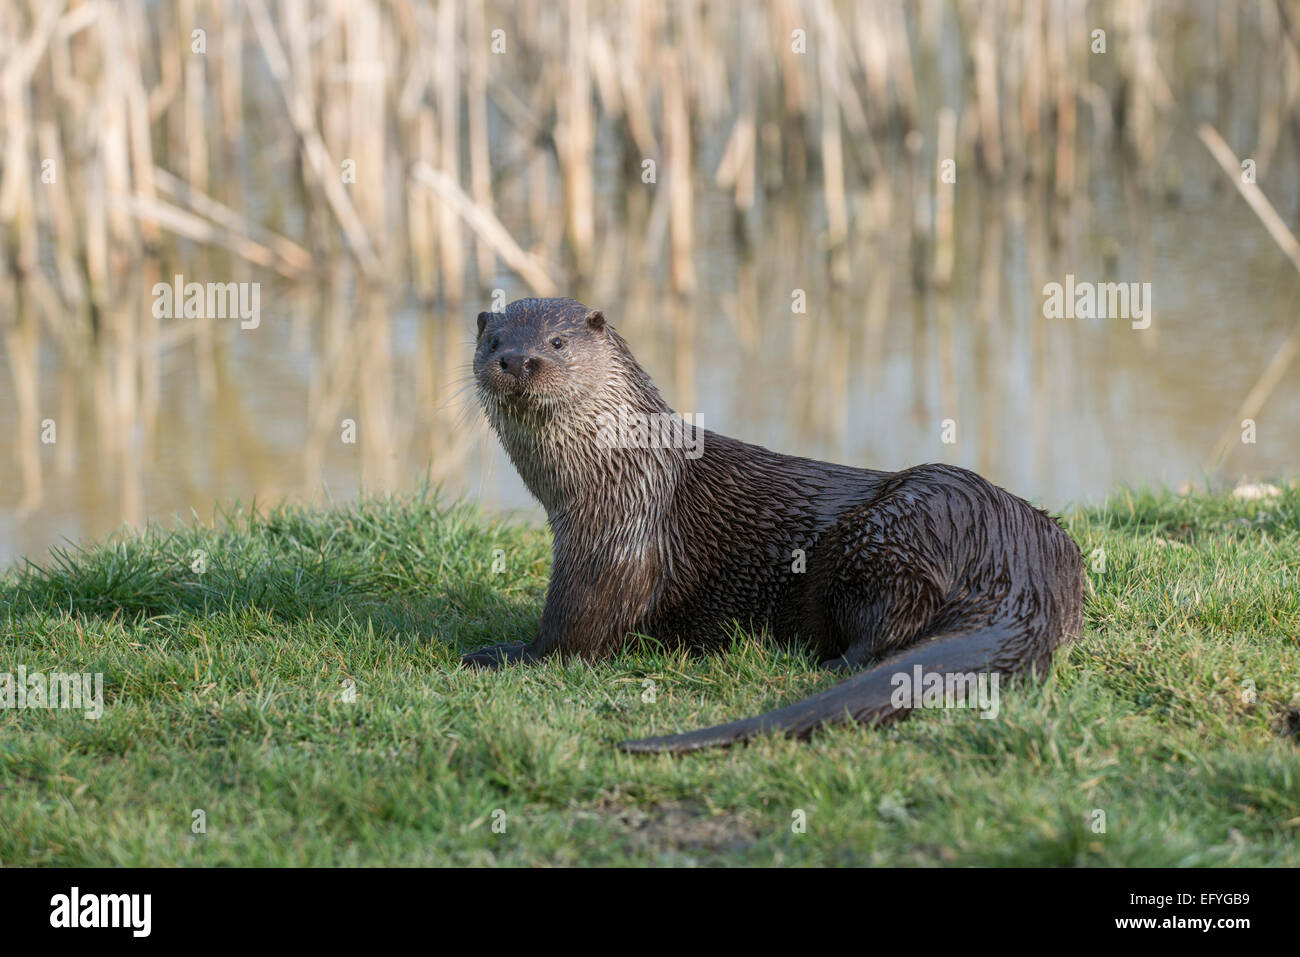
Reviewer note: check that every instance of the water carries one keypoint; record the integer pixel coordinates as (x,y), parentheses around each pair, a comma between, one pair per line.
(169,418)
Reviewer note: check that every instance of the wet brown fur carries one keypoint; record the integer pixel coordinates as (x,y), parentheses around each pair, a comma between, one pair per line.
(933,565)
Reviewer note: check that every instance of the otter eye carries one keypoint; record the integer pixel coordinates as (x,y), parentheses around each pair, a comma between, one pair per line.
(557,342)
(494,343)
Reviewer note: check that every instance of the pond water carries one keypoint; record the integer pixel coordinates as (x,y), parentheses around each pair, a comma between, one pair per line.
(168,417)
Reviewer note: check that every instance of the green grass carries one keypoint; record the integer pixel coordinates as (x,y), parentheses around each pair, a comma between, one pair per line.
(224,691)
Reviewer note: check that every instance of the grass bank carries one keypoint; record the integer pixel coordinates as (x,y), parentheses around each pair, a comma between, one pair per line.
(292,676)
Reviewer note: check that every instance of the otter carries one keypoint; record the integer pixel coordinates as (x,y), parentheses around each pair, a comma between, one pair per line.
(929,571)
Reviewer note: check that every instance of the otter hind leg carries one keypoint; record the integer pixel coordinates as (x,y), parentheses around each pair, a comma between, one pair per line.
(885,587)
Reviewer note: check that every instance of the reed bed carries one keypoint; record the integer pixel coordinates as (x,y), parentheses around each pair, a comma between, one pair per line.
(389,133)
(372,149)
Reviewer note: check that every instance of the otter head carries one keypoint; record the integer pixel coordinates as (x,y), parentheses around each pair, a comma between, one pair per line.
(549,371)
(542,355)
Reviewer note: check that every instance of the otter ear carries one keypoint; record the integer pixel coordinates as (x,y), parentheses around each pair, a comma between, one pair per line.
(595,320)
(482,321)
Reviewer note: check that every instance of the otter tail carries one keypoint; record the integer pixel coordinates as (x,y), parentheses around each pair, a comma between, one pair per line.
(867,697)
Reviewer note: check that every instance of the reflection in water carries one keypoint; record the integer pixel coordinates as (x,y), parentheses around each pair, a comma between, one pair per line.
(923,300)
(158,417)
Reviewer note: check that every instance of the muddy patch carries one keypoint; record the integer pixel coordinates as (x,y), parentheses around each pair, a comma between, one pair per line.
(1287,723)
(679,826)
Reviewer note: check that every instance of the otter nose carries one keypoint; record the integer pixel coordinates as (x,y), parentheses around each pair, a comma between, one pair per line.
(517,364)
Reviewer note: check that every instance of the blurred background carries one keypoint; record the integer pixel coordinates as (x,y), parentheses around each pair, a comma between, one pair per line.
(385,169)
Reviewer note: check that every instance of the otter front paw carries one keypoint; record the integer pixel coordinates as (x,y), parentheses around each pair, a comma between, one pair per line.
(494,656)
